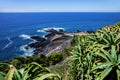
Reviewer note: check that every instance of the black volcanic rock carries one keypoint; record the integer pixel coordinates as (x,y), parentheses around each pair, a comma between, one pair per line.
(90,31)
(49,35)
(51,41)
(51,30)
(78,30)
(37,51)
(61,30)
(63,38)
(34,45)
(38,44)
(37,38)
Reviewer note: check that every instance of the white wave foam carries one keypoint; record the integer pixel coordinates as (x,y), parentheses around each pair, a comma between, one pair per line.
(24,36)
(27,52)
(7,45)
(45,29)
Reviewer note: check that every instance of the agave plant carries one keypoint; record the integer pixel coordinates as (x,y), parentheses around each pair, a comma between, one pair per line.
(110,67)
(14,74)
(49,75)
(2,74)
(81,64)
(21,74)
(9,75)
(26,73)
(80,40)
(111,38)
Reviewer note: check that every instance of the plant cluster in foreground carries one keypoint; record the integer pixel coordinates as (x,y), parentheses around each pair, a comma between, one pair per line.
(97,56)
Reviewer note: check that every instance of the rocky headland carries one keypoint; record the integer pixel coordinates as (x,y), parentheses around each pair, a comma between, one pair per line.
(52,42)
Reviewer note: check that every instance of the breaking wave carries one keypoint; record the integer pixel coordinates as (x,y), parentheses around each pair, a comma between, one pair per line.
(27,52)
(24,36)
(45,29)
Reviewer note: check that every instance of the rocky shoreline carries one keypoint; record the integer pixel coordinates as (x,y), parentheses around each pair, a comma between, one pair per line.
(52,42)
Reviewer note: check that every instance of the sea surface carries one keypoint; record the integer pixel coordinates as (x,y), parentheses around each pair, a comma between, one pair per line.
(16,28)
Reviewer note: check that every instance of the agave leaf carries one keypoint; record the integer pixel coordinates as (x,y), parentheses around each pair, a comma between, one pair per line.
(101,65)
(118,58)
(2,63)
(117,39)
(21,71)
(2,75)
(112,37)
(10,73)
(25,76)
(29,68)
(34,63)
(108,56)
(103,56)
(104,73)
(113,53)
(47,76)
(118,66)
(35,69)
(17,75)
(108,39)
(118,74)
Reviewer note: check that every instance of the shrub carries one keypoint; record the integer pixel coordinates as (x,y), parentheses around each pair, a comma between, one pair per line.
(54,58)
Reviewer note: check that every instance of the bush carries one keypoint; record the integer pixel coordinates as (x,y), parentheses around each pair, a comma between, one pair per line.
(118,23)
(54,58)
(41,59)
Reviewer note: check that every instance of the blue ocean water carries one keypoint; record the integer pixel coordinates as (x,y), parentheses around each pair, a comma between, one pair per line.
(16,28)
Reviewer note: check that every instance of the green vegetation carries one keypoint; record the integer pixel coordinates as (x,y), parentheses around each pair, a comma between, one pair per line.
(33,71)
(97,56)
(91,57)
(54,58)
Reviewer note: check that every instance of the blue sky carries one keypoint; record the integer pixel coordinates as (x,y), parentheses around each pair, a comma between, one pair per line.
(59,5)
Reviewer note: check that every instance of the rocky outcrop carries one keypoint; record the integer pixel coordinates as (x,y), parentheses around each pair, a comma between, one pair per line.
(52,42)
(37,38)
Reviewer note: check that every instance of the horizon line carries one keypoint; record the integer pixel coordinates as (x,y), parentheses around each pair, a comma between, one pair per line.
(68,12)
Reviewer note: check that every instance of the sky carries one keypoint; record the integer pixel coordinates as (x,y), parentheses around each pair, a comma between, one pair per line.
(59,5)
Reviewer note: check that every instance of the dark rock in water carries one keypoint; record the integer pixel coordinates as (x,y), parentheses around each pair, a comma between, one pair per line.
(37,38)
(90,31)
(34,45)
(78,31)
(49,35)
(37,51)
(26,47)
(41,43)
(51,30)
(38,44)
(61,30)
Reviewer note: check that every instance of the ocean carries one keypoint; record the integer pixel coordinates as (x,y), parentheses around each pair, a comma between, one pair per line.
(16,28)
